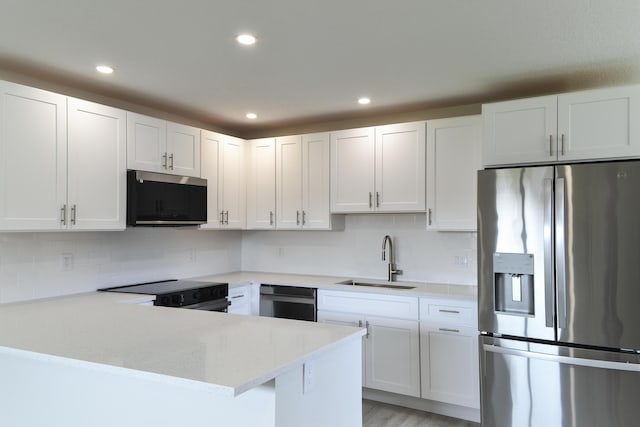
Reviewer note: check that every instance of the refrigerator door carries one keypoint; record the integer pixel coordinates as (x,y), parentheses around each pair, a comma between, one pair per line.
(515,252)
(531,385)
(598,254)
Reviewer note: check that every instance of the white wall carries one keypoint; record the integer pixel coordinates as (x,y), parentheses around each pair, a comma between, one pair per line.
(357,251)
(31,264)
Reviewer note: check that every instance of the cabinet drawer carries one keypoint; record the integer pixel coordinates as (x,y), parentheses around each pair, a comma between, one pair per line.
(448,311)
(398,307)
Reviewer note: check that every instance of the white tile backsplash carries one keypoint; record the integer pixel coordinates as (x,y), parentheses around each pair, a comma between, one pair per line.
(31,263)
(357,251)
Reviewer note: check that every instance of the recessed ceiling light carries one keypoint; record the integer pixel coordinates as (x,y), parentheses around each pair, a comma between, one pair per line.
(246,39)
(364,101)
(104,69)
(251,116)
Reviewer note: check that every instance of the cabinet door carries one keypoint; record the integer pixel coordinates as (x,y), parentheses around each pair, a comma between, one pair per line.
(316,200)
(352,170)
(211,146)
(232,183)
(346,319)
(183,150)
(289,182)
(400,168)
(521,131)
(453,160)
(449,356)
(599,124)
(146,143)
(33,156)
(392,355)
(96,166)
(261,183)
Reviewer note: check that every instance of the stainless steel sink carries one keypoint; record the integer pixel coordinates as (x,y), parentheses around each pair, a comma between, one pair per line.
(375,285)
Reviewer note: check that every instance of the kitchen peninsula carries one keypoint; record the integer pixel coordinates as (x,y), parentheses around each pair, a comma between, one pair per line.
(103,359)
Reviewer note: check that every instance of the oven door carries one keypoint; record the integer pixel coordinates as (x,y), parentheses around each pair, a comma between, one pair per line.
(215,305)
(288,302)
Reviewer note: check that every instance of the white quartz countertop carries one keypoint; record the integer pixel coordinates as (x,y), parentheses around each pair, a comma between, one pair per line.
(421,289)
(217,352)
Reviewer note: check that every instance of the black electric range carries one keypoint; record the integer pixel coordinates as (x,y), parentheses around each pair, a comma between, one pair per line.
(196,295)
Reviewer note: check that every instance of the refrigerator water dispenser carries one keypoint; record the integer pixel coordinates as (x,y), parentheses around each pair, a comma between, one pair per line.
(513,283)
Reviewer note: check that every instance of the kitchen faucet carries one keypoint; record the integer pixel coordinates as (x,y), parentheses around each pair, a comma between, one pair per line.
(392,272)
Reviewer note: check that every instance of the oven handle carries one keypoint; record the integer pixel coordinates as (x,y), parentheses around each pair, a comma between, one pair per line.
(217,305)
(284,298)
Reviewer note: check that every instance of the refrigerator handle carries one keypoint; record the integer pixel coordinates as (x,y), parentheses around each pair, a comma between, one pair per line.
(560,253)
(568,360)
(548,253)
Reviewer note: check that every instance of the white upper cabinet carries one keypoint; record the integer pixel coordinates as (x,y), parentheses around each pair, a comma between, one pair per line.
(599,124)
(302,182)
(587,125)
(231,184)
(453,160)
(183,149)
(63,167)
(400,168)
(261,183)
(352,170)
(97,166)
(223,167)
(33,152)
(146,143)
(289,182)
(378,169)
(155,145)
(210,149)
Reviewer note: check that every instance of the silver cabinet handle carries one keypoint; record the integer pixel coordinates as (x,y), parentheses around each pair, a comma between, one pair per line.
(550,145)
(370,200)
(449,311)
(63,215)
(164,160)
(270,217)
(226,220)
(304,217)
(366,325)
(73,214)
(562,145)
(377,199)
(429,213)
(457,331)
(171,159)
(297,217)
(222,217)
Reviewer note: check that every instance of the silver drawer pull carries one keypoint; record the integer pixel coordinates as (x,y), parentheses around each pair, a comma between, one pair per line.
(449,330)
(449,311)
(237,296)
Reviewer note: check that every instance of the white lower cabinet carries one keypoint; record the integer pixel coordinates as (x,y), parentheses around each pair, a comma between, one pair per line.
(449,351)
(391,353)
(243,299)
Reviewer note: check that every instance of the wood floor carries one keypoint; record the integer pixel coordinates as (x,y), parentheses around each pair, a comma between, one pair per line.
(375,414)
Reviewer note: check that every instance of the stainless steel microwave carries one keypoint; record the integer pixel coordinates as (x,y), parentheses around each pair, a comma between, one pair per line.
(158,199)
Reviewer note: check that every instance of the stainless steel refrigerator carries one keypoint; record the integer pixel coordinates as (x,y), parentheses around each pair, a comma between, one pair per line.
(559,295)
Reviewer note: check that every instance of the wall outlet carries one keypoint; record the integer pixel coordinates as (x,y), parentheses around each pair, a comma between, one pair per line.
(192,255)
(280,252)
(66,261)
(307,377)
(461,260)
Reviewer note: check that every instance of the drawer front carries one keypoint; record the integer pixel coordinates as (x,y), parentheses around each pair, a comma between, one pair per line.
(398,307)
(449,311)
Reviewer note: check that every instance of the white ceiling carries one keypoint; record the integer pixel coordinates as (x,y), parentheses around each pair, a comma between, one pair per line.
(314,58)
